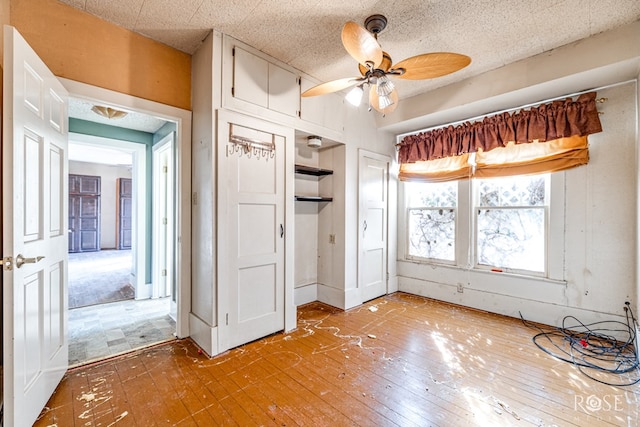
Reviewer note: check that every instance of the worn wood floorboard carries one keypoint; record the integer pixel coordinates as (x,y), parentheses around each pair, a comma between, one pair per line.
(400,360)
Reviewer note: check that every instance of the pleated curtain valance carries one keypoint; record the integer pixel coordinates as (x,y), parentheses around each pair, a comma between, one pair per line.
(547,138)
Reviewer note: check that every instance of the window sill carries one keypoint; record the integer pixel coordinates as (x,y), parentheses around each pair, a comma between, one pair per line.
(520,276)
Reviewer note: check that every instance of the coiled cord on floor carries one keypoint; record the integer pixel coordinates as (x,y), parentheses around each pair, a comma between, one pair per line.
(592,347)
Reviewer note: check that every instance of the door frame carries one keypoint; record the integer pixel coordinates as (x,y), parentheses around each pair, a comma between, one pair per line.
(139,164)
(362,153)
(182,195)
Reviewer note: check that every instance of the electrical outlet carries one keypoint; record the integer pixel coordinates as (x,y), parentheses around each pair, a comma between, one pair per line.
(460,288)
(332,239)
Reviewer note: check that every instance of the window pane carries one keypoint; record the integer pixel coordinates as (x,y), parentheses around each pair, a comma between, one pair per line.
(513,191)
(512,238)
(432,233)
(443,194)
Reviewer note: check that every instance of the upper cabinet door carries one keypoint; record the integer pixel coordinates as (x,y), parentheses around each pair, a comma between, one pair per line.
(250,78)
(312,107)
(284,91)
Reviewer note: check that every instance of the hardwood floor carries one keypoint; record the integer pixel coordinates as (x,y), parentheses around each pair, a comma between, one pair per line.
(400,360)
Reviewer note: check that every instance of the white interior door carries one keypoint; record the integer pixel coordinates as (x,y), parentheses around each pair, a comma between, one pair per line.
(34,209)
(163,268)
(373,191)
(251,229)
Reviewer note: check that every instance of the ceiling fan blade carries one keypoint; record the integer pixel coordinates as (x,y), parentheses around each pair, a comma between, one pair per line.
(332,86)
(360,44)
(374,100)
(431,65)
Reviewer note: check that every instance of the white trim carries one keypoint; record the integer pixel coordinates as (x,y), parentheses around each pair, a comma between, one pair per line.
(182,118)
(139,208)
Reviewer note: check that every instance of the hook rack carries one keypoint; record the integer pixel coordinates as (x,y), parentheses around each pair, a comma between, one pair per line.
(251,147)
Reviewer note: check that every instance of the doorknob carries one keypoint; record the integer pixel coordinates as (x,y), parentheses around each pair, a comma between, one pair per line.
(20,260)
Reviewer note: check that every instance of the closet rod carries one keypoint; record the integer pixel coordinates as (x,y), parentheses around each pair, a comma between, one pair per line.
(508,110)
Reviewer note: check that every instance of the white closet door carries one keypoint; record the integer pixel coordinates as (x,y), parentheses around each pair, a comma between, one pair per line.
(372,259)
(251,231)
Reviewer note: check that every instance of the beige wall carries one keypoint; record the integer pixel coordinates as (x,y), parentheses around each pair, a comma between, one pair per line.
(82,47)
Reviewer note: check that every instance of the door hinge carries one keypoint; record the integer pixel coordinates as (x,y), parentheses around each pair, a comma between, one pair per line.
(164,221)
(165,169)
(7,263)
(233,51)
(227,319)
(233,91)
(299,114)
(164,272)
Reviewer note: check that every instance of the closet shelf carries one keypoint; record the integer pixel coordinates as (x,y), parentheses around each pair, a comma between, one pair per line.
(309,170)
(313,199)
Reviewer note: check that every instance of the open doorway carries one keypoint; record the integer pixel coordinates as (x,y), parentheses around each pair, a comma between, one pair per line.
(113,305)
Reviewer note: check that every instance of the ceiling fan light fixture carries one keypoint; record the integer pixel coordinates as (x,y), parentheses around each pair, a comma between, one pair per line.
(384,101)
(384,86)
(354,96)
(108,112)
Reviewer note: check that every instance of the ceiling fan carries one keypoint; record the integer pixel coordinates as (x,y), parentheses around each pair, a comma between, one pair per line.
(376,67)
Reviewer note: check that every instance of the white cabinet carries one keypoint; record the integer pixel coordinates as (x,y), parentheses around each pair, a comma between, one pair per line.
(257,82)
(250,78)
(284,91)
(254,83)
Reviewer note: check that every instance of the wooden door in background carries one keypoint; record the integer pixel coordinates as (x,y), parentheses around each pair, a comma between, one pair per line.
(124,213)
(84,213)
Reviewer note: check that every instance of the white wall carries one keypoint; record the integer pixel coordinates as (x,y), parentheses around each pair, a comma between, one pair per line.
(600,227)
(203,316)
(361,132)
(109,175)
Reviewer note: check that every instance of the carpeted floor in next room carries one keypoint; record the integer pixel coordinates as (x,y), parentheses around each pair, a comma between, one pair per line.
(111,268)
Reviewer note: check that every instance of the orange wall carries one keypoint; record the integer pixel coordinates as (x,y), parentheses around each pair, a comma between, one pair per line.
(82,47)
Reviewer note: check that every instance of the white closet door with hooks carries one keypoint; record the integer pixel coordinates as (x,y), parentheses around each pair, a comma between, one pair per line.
(251,230)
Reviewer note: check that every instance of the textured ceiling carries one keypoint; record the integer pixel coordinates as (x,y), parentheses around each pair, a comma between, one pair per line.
(306,33)
(81,109)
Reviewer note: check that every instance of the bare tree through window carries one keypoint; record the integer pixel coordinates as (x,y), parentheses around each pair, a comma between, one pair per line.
(510,222)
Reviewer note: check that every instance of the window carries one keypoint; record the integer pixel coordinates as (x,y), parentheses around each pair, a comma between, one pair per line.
(432,220)
(511,222)
(496,223)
